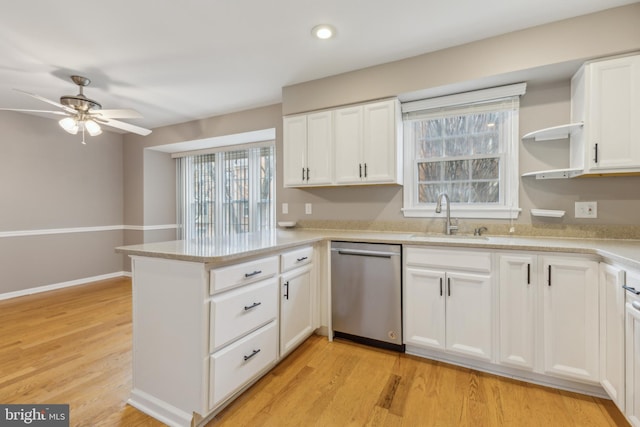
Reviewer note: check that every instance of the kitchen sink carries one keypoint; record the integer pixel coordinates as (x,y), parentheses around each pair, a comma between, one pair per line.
(455,237)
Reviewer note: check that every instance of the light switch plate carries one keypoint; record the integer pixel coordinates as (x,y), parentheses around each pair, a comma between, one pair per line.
(586,210)
(307,208)
(285,208)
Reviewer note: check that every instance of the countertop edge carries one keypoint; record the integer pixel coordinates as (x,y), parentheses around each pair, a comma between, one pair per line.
(625,252)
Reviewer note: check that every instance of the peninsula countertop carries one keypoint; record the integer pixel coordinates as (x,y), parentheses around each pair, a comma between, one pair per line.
(229,248)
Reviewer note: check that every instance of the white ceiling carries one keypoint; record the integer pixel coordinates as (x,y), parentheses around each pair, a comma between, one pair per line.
(176,61)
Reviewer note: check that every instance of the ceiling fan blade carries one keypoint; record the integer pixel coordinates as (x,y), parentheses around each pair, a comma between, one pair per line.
(117,114)
(48,101)
(20,110)
(124,126)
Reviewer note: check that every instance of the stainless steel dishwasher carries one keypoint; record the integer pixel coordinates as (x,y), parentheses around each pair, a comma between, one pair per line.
(366,293)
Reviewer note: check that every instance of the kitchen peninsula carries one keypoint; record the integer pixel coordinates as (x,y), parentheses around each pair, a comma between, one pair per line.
(210,317)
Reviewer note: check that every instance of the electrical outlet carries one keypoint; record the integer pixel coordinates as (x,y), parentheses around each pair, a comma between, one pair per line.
(307,208)
(285,208)
(586,210)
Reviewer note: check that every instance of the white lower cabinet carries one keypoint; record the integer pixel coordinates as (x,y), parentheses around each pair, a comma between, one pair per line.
(632,349)
(570,318)
(518,286)
(448,309)
(295,308)
(242,310)
(201,336)
(612,278)
(549,315)
(238,363)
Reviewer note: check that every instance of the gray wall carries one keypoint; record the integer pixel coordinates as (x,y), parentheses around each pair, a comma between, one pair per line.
(49,180)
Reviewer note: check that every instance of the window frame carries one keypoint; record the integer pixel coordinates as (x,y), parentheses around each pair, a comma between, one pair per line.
(221,184)
(509,173)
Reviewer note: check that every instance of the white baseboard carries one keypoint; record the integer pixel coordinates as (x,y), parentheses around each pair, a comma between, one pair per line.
(46,288)
(159,409)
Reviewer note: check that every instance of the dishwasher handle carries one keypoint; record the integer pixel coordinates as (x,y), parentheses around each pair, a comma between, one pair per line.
(376,254)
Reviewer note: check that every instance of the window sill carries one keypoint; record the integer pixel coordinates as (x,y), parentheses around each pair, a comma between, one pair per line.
(489,212)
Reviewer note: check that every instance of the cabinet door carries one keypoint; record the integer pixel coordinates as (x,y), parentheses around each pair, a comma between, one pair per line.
(612,332)
(517,289)
(295,308)
(380,154)
(319,148)
(294,150)
(348,145)
(468,314)
(614,108)
(632,347)
(424,308)
(570,318)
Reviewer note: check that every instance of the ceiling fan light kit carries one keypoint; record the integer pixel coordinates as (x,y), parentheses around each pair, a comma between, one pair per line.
(84,114)
(69,124)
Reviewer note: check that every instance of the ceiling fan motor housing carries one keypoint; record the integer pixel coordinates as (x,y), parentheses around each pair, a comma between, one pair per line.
(80,103)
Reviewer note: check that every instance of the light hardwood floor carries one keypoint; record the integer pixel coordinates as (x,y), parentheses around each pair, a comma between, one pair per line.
(74,346)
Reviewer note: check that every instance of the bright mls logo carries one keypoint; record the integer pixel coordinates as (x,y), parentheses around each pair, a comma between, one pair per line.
(34,415)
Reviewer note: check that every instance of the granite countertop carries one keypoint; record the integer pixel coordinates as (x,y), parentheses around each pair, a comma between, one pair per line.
(222,250)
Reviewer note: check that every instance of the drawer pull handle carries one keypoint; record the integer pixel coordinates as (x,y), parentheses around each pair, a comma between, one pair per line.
(302,259)
(632,290)
(247,275)
(253,353)
(636,305)
(249,307)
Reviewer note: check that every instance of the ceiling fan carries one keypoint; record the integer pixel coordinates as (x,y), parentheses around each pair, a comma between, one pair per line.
(84,114)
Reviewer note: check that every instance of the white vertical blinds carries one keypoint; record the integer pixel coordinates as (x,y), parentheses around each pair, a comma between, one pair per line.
(226,193)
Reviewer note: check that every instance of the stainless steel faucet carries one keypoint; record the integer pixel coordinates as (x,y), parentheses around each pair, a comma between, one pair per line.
(450,228)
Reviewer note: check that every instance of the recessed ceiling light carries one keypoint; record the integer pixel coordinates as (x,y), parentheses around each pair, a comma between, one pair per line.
(323,31)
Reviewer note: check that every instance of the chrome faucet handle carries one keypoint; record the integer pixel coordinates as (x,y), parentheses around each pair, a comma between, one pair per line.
(478,231)
(453,228)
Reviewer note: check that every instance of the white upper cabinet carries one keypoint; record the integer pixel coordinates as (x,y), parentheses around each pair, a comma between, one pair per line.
(295,150)
(355,145)
(349,139)
(605,96)
(368,144)
(308,148)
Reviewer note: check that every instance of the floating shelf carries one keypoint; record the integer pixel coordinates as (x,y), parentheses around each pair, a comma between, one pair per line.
(552,133)
(555,174)
(547,212)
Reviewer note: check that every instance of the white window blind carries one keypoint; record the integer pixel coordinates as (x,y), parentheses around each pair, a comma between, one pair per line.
(226,192)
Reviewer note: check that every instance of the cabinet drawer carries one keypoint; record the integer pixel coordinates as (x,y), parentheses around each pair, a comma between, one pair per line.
(235,365)
(296,258)
(449,259)
(238,311)
(240,274)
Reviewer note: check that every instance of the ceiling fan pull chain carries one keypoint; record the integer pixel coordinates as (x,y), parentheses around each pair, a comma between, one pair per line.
(83,143)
